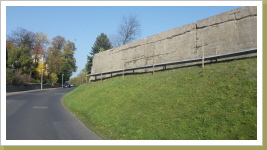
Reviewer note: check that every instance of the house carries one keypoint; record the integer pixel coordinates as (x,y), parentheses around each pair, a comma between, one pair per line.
(38,54)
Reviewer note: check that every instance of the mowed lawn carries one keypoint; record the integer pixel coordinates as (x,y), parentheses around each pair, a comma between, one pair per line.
(218,102)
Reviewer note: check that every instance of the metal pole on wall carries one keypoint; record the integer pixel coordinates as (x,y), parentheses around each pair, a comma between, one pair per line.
(203,54)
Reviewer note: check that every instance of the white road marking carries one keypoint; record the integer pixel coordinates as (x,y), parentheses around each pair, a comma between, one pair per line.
(40,107)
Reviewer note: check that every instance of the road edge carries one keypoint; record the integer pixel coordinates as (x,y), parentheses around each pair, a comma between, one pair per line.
(62,103)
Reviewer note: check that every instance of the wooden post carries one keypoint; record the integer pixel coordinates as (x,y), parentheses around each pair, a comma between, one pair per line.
(86,77)
(101,77)
(123,73)
(203,54)
(216,54)
(153,61)
(123,65)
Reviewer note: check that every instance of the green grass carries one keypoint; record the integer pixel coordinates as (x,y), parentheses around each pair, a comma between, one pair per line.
(218,102)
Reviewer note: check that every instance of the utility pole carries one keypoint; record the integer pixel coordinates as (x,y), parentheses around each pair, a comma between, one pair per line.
(42,71)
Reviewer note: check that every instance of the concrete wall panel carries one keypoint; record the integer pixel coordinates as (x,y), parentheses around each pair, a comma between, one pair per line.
(227,32)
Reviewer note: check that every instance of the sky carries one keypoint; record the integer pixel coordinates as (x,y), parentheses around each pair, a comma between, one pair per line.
(82,24)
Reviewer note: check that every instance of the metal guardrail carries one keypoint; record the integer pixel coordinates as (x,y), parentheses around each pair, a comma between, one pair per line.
(211,57)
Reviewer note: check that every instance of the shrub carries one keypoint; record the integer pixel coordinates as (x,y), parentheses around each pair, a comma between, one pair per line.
(17,78)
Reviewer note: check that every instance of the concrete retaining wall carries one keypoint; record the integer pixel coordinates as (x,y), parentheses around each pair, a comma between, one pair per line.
(227,32)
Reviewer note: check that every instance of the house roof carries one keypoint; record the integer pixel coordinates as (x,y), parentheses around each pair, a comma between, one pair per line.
(38,50)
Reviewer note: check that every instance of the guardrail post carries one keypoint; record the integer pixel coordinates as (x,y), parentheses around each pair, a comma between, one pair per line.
(216,54)
(203,54)
(123,64)
(153,61)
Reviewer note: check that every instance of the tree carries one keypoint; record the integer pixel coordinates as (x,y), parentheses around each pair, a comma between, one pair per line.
(80,79)
(60,58)
(22,37)
(58,42)
(54,54)
(102,43)
(33,41)
(18,64)
(6,57)
(20,59)
(41,69)
(19,46)
(68,62)
(53,78)
(128,31)
(41,41)
(101,50)
(41,38)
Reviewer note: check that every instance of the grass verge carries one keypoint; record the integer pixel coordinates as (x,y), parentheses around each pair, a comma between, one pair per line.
(218,102)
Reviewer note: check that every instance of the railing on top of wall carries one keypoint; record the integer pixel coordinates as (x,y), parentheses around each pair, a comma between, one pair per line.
(211,57)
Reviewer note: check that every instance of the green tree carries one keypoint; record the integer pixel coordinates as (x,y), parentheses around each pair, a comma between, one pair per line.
(23,38)
(80,79)
(68,62)
(42,39)
(18,65)
(102,43)
(6,57)
(74,81)
(19,46)
(101,49)
(53,78)
(60,58)
(20,59)
(54,54)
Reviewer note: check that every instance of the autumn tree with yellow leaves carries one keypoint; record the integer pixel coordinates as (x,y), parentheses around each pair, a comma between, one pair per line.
(42,68)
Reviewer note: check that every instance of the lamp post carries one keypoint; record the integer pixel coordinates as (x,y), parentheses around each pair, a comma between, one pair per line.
(62,80)
(42,78)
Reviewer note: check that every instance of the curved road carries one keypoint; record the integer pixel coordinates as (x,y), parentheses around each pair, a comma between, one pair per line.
(39,115)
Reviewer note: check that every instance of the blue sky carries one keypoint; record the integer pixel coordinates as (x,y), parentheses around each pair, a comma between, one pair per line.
(82,24)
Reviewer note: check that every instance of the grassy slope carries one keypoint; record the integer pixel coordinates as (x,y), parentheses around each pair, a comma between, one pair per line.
(217,102)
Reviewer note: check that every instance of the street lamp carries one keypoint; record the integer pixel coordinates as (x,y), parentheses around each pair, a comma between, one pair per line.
(62,80)
(42,78)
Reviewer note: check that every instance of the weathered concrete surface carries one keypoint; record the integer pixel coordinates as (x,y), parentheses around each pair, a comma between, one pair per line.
(227,32)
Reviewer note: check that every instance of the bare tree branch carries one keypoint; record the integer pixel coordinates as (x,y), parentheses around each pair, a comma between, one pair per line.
(128,31)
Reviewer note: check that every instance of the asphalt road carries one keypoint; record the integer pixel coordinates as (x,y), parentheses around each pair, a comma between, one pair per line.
(39,115)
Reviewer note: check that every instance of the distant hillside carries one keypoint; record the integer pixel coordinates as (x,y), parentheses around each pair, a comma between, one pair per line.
(218,102)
